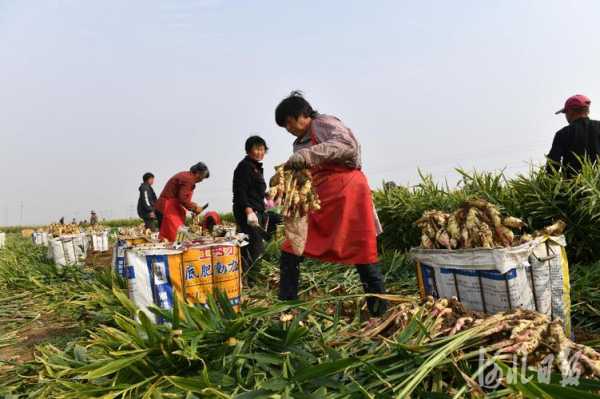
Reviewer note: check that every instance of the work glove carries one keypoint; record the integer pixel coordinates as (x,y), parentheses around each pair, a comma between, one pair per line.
(252,219)
(297,162)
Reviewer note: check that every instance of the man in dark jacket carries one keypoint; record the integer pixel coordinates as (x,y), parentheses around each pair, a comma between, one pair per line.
(581,138)
(146,203)
(249,188)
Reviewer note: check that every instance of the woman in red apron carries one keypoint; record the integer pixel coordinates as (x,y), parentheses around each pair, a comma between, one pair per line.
(345,229)
(176,198)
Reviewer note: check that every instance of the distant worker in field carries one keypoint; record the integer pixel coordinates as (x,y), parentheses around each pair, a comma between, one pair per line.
(93,218)
(345,229)
(211,219)
(74,221)
(580,139)
(146,202)
(176,199)
(249,188)
(61,220)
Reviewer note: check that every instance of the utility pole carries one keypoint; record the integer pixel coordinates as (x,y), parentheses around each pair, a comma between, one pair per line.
(21,221)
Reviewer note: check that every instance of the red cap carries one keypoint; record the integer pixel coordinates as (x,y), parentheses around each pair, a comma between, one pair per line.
(576,101)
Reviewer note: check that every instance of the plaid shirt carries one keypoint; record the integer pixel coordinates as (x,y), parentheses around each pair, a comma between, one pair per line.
(335,144)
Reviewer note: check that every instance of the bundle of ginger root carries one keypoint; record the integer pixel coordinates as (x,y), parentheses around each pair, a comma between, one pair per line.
(294,190)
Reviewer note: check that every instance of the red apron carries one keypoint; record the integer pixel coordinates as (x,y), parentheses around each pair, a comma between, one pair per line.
(344,230)
(173,218)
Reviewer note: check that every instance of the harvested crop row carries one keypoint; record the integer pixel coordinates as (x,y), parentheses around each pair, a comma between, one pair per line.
(134,232)
(96,229)
(523,333)
(57,229)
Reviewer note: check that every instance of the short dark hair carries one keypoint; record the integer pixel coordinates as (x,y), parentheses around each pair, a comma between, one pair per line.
(199,168)
(147,176)
(293,105)
(255,141)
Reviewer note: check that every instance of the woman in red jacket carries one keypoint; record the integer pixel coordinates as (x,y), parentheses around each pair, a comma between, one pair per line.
(345,229)
(176,198)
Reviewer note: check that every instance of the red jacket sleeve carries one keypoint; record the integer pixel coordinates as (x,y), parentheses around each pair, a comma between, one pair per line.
(186,189)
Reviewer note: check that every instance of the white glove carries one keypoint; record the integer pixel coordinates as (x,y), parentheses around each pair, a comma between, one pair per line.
(252,219)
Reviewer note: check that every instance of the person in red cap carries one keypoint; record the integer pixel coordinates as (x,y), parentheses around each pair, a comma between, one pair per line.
(581,138)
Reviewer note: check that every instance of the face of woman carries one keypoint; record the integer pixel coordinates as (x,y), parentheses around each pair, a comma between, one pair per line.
(257,153)
(298,126)
(199,177)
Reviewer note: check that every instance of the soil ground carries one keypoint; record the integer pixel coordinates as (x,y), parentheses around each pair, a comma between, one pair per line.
(44,330)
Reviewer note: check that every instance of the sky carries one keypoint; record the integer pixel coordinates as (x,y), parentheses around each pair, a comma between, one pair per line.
(95,93)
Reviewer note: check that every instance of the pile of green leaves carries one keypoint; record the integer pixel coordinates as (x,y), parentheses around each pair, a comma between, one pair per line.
(585,301)
(214,352)
(36,297)
(304,349)
(80,293)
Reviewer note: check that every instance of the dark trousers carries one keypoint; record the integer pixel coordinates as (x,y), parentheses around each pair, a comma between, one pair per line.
(252,252)
(273,220)
(370,277)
